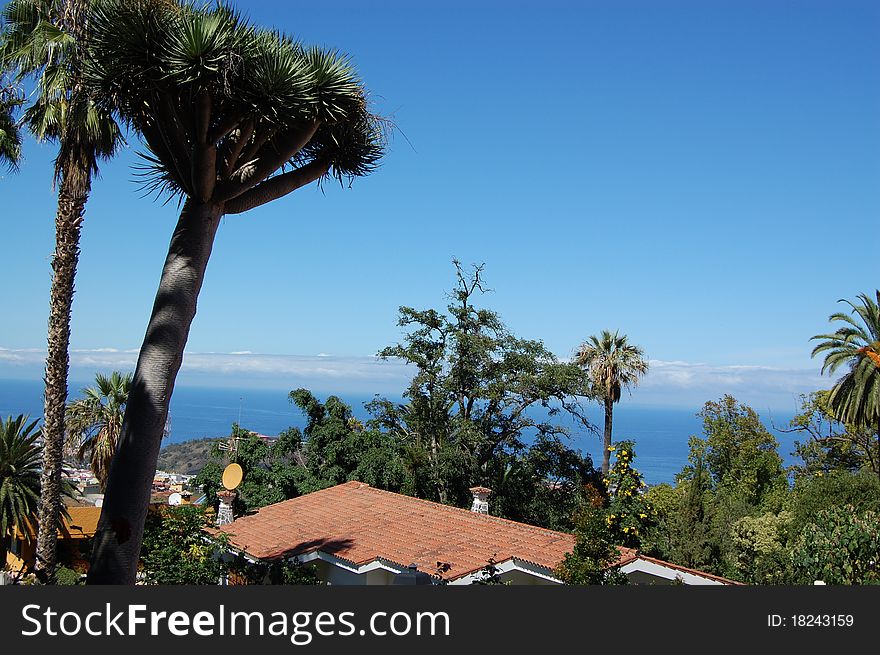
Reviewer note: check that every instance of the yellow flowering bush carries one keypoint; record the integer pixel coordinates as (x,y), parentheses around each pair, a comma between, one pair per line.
(629,514)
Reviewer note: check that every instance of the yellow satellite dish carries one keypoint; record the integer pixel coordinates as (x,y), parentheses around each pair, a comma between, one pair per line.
(232,476)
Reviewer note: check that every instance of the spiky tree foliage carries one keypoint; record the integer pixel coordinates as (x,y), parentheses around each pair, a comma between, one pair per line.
(19,479)
(94,422)
(45,41)
(10,134)
(855,398)
(233,116)
(613,364)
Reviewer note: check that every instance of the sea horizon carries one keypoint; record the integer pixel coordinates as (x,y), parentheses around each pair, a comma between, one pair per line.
(660,433)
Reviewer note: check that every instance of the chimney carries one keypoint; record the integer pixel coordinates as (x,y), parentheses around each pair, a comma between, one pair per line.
(481,499)
(224,512)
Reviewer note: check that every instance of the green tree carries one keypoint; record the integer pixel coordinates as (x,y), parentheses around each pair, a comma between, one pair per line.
(271,470)
(855,398)
(178,551)
(475,395)
(741,455)
(94,422)
(594,558)
(760,548)
(544,484)
(338,448)
(45,41)
(831,445)
(825,491)
(691,539)
(612,364)
(333,448)
(630,514)
(224,107)
(19,479)
(840,547)
(665,500)
(286,572)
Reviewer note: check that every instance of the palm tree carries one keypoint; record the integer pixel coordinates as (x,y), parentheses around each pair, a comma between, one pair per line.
(44,40)
(855,398)
(94,422)
(233,117)
(612,364)
(19,479)
(10,135)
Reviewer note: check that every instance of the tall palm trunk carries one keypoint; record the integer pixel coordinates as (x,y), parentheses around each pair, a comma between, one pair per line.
(606,456)
(877,461)
(120,529)
(68,225)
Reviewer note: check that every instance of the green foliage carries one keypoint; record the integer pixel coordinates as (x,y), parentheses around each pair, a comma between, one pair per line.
(831,445)
(734,473)
(223,105)
(740,454)
(19,477)
(543,484)
(630,514)
(271,470)
(840,547)
(612,364)
(333,448)
(94,422)
(42,41)
(665,500)
(593,561)
(491,575)
(10,134)
(691,539)
(825,491)
(67,577)
(176,549)
(466,414)
(760,548)
(287,572)
(855,397)
(338,448)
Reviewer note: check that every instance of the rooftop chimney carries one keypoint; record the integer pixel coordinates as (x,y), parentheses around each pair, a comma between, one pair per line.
(224,511)
(481,499)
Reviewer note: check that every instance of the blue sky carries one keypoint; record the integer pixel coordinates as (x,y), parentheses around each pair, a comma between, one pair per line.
(700,175)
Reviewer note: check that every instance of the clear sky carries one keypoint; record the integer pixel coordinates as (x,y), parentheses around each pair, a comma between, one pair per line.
(702,175)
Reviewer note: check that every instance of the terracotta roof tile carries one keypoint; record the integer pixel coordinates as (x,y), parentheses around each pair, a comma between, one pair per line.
(361,524)
(702,574)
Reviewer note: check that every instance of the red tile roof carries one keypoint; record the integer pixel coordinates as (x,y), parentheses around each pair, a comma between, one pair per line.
(361,524)
(702,574)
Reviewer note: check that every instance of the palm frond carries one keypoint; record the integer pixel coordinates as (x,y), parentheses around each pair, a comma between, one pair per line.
(855,397)
(94,422)
(20,457)
(10,134)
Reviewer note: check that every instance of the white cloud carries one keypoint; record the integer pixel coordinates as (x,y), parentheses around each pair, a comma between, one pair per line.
(321,372)
(671,383)
(685,383)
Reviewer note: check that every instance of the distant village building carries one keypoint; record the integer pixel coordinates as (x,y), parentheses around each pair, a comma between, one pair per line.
(74,541)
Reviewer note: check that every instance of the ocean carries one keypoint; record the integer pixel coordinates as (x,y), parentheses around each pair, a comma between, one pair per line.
(661,434)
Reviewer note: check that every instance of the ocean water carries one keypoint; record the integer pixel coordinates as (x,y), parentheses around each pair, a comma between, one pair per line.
(660,434)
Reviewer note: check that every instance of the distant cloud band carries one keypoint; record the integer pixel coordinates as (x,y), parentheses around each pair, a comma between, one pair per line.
(673,383)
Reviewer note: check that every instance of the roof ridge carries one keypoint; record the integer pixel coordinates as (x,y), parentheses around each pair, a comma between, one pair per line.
(452,508)
(702,574)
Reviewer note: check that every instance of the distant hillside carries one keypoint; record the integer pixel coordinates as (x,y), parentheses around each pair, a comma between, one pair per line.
(187,457)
